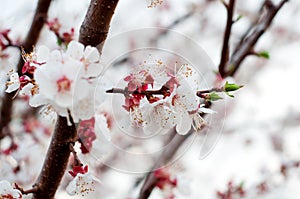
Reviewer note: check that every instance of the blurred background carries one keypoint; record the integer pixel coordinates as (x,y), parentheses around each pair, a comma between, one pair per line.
(256,152)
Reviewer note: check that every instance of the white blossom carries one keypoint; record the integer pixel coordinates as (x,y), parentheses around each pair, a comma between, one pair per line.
(82,184)
(61,80)
(89,56)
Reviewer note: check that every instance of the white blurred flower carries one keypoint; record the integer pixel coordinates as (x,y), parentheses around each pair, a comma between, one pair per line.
(7,191)
(82,184)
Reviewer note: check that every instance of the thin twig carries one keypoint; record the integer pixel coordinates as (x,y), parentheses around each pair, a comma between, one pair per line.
(25,192)
(77,161)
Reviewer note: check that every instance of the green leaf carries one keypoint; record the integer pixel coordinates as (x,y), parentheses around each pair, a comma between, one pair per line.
(59,41)
(231,87)
(214,96)
(238,18)
(264,54)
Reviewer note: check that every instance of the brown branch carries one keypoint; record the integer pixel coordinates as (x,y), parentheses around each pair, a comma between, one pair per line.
(175,141)
(25,192)
(93,32)
(150,180)
(56,160)
(95,26)
(38,21)
(246,47)
(225,49)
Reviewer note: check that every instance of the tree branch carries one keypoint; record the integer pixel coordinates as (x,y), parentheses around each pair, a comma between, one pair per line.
(249,42)
(225,49)
(38,21)
(93,32)
(95,26)
(150,180)
(56,160)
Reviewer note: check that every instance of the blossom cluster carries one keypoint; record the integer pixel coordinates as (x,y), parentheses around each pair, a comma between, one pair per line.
(174,104)
(62,80)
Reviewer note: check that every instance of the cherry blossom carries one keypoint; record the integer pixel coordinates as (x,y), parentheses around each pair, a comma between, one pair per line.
(62,80)
(89,56)
(175,104)
(7,191)
(83,182)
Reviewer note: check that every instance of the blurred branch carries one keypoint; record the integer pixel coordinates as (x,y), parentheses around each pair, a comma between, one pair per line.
(225,50)
(150,180)
(93,32)
(237,58)
(38,21)
(246,46)
(174,142)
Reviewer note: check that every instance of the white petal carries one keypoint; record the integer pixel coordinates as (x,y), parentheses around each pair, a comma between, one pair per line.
(71,188)
(26,90)
(184,123)
(12,87)
(91,54)
(93,70)
(75,50)
(37,100)
(47,86)
(184,185)
(207,110)
(43,54)
(101,126)
(14,83)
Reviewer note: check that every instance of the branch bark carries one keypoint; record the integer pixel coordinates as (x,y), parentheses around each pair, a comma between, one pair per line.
(237,57)
(93,32)
(95,26)
(38,21)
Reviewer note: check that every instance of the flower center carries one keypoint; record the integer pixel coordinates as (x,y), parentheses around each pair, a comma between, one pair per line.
(63,84)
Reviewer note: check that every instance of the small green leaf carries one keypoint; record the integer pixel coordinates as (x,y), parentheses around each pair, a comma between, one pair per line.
(238,18)
(264,54)
(59,41)
(231,87)
(214,96)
